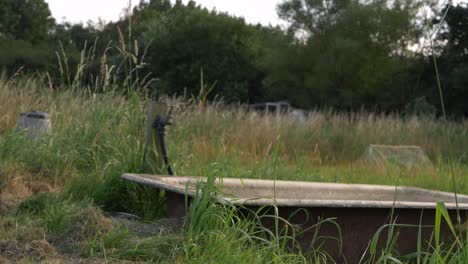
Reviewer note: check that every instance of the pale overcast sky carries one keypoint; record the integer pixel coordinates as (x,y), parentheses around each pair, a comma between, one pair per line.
(254,11)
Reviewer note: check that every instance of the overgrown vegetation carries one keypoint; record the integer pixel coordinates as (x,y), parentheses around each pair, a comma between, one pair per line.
(59,196)
(52,187)
(348,55)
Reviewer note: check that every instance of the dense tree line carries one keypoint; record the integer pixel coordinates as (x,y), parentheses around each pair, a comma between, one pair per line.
(344,54)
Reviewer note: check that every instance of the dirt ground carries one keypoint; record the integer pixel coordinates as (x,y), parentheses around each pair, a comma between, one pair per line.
(32,244)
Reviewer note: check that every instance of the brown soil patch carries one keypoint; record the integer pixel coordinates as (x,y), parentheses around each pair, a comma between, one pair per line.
(17,190)
(36,250)
(4,260)
(10,229)
(7,228)
(161,227)
(24,187)
(8,204)
(17,187)
(89,224)
(37,187)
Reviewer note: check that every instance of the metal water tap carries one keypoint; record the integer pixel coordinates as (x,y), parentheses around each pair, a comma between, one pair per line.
(160,124)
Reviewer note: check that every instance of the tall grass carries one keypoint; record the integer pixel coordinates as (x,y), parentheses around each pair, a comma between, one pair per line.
(98,137)
(217,233)
(99,134)
(327,147)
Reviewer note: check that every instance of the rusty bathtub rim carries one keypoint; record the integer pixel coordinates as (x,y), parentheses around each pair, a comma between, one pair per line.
(158,182)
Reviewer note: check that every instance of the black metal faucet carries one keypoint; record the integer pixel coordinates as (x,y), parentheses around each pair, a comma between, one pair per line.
(160,124)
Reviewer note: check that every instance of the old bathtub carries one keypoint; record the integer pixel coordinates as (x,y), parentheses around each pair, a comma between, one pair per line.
(359,210)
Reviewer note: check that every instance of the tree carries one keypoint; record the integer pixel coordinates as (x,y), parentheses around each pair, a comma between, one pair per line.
(20,54)
(310,16)
(454,59)
(28,20)
(349,53)
(24,27)
(160,5)
(455,37)
(188,39)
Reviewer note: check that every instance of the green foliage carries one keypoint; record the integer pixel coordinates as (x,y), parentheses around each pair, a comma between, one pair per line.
(436,251)
(214,232)
(96,138)
(20,54)
(186,39)
(420,107)
(122,244)
(159,5)
(55,213)
(456,32)
(454,59)
(348,54)
(28,20)
(37,205)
